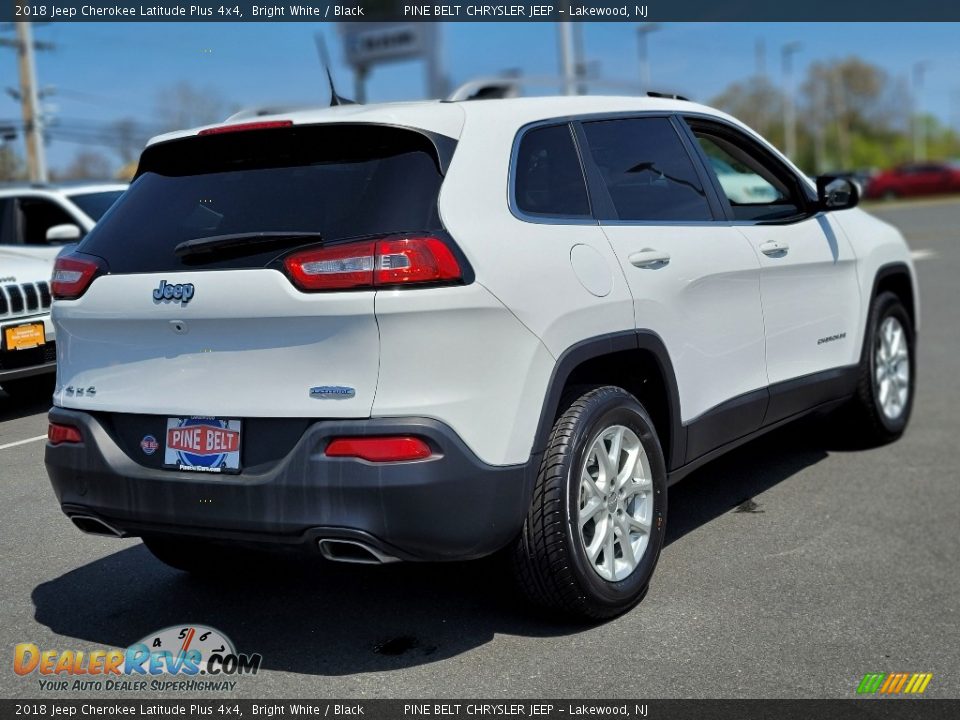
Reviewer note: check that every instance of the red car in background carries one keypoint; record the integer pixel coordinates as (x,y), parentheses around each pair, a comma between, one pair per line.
(912,179)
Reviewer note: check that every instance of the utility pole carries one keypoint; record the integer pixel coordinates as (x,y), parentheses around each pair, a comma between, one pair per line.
(840,112)
(436,74)
(580,59)
(789,108)
(643,30)
(919,123)
(568,62)
(760,59)
(30,104)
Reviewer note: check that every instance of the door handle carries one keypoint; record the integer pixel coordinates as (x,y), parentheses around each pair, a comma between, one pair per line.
(649,258)
(774,248)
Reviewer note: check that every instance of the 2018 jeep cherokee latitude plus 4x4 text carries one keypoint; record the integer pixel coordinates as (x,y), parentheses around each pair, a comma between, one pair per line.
(434,330)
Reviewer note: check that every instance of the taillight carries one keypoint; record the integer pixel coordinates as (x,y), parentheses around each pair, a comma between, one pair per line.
(336,268)
(374,263)
(57,434)
(380,449)
(243,127)
(72,275)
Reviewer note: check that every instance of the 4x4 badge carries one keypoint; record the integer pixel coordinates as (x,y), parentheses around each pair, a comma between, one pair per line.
(181,293)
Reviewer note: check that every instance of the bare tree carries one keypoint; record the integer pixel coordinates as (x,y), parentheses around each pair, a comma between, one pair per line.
(86,165)
(129,138)
(757,102)
(11,164)
(183,105)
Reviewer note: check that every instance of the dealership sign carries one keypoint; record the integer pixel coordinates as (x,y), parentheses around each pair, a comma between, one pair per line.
(369,43)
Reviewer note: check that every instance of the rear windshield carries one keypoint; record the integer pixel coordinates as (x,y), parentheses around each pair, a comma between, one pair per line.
(338,181)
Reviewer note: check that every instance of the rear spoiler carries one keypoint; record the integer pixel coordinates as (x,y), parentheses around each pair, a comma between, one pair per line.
(443,145)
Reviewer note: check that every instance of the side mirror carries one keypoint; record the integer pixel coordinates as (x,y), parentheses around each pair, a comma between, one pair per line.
(837,193)
(63,233)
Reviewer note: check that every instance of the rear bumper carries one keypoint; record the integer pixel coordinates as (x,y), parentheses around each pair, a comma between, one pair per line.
(16,364)
(446,507)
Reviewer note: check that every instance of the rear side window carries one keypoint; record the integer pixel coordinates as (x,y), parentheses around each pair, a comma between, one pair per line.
(647,170)
(335,181)
(548,177)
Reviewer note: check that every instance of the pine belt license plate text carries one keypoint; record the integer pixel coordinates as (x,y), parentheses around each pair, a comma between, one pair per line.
(24,337)
(202,444)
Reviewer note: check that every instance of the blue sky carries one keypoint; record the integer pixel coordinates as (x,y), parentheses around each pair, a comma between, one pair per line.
(113,70)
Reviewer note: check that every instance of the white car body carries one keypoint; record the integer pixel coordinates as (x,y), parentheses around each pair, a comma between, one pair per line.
(67,198)
(25,268)
(25,300)
(744,324)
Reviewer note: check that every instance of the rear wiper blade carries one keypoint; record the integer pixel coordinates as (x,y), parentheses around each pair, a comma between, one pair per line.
(204,245)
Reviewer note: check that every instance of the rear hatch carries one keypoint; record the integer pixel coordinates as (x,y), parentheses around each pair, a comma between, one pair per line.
(192,310)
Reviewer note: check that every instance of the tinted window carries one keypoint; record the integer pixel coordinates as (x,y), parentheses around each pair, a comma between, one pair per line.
(96,204)
(549,179)
(8,230)
(647,170)
(37,216)
(340,181)
(755,189)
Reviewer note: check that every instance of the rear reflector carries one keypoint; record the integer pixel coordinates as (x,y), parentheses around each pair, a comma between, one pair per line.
(243,127)
(57,434)
(379,449)
(379,263)
(72,275)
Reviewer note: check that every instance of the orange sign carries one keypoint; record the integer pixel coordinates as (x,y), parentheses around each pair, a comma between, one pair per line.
(24,337)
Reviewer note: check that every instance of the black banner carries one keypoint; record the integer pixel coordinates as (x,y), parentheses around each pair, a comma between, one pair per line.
(880,709)
(515,11)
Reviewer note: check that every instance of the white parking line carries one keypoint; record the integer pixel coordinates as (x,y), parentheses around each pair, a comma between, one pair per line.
(923,254)
(23,442)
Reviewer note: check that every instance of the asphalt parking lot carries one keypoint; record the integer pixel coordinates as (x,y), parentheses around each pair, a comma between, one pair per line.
(794,566)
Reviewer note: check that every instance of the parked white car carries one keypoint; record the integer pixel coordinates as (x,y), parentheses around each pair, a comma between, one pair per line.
(27,350)
(430,331)
(36,223)
(37,220)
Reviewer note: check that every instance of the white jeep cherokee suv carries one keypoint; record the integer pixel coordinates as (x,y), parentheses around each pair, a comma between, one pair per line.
(431,331)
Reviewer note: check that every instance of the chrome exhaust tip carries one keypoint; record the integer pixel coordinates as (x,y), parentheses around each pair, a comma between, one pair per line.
(353,551)
(95,526)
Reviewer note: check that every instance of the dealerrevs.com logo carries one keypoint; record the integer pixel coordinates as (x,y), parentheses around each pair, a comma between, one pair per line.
(180,658)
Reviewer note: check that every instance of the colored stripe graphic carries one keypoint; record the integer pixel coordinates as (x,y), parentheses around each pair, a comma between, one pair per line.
(870,683)
(894,683)
(889,683)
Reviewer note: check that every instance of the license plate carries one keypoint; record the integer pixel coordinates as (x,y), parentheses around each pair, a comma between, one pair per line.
(24,337)
(202,444)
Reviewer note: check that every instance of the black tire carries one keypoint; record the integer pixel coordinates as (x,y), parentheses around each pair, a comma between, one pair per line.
(35,387)
(195,556)
(549,560)
(865,413)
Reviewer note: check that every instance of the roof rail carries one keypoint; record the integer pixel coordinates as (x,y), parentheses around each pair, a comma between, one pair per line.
(666,96)
(500,86)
